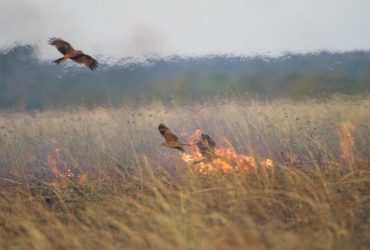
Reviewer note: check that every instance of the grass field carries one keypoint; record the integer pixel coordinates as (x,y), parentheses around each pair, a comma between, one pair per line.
(99,179)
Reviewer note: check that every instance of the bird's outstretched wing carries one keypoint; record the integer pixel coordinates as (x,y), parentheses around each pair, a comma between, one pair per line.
(86,60)
(63,46)
(167,133)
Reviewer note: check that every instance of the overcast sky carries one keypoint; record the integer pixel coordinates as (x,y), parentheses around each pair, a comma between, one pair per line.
(121,28)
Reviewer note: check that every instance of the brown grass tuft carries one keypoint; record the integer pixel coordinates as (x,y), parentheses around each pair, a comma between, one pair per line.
(99,179)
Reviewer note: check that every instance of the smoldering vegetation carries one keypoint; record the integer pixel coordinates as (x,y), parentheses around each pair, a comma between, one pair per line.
(82,166)
(99,178)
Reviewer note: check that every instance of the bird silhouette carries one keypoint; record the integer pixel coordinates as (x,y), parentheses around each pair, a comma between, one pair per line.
(171,140)
(70,53)
(207,146)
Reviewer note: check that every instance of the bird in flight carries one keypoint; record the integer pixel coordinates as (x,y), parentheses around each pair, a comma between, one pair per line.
(206,146)
(70,53)
(171,140)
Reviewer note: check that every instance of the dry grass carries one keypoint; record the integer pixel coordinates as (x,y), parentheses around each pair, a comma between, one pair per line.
(139,195)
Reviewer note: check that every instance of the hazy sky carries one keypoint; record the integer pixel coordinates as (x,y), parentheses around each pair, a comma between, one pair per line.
(121,28)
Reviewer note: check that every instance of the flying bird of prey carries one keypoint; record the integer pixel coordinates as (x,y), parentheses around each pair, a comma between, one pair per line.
(70,53)
(172,141)
(206,146)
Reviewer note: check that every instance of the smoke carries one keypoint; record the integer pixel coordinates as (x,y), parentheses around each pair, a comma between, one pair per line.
(118,29)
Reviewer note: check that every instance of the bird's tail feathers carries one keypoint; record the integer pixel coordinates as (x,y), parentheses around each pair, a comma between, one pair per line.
(60,60)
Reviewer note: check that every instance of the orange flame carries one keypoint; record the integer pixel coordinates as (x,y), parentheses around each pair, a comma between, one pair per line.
(346,141)
(226,159)
(61,171)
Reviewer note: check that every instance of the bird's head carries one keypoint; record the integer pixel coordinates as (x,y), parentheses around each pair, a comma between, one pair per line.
(162,126)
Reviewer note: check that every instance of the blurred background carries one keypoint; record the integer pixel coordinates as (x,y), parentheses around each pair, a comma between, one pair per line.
(28,83)
(170,52)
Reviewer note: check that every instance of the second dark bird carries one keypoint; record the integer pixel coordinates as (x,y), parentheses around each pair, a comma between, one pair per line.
(207,146)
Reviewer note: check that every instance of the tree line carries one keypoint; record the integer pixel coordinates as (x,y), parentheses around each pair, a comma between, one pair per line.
(28,83)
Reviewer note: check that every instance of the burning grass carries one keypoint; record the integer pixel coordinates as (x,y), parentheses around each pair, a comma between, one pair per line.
(224,159)
(282,176)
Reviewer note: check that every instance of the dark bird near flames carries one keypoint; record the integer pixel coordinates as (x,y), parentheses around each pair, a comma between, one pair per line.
(206,146)
(172,141)
(70,53)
